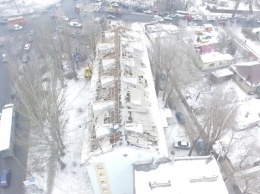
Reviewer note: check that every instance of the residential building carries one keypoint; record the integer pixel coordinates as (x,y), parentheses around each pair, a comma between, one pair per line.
(125,124)
(185,175)
(155,31)
(247,76)
(215,60)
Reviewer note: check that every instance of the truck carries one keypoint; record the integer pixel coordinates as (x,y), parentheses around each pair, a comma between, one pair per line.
(16,20)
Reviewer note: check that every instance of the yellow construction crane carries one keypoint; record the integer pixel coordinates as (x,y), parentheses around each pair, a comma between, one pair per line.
(111,9)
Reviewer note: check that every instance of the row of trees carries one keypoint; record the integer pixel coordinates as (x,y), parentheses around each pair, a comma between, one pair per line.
(41,87)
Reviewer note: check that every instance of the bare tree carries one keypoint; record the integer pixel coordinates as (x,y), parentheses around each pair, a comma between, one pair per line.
(223,41)
(91,35)
(41,94)
(218,115)
(172,64)
(247,169)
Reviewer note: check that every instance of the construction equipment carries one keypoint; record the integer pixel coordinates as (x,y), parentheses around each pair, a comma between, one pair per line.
(111,9)
(88,72)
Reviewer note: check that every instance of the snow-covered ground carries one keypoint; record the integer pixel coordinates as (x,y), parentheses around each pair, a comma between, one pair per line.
(74,178)
(8,8)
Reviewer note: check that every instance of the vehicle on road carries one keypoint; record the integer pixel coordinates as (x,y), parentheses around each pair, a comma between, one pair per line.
(111,17)
(148,11)
(25,58)
(115,4)
(4,58)
(16,20)
(158,18)
(211,18)
(17,27)
(7,127)
(3,21)
(192,24)
(75,24)
(167,18)
(182,144)
(53,16)
(197,18)
(180,117)
(184,15)
(35,16)
(200,147)
(5,178)
(27,47)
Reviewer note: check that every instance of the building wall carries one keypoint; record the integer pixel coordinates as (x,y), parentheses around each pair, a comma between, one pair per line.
(118,170)
(243,84)
(215,65)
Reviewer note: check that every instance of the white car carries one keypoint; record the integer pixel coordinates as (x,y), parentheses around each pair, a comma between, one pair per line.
(211,18)
(4,58)
(65,18)
(182,144)
(168,18)
(114,4)
(75,24)
(17,27)
(27,47)
(158,18)
(148,12)
(197,18)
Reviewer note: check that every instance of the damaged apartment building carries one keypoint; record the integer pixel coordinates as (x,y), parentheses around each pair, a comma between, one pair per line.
(125,124)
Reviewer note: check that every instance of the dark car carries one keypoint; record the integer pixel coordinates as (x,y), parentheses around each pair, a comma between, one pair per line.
(182,144)
(180,117)
(200,147)
(5,178)
(111,17)
(25,58)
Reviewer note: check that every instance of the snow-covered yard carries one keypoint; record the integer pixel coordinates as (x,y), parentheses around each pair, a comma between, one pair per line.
(8,7)
(74,178)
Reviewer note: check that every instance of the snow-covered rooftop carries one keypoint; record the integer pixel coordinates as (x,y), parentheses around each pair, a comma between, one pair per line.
(215,57)
(125,108)
(183,175)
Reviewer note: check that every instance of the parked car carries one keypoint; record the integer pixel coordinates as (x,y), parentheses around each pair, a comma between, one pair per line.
(182,144)
(53,16)
(180,117)
(4,58)
(25,58)
(5,178)
(79,57)
(200,147)
(75,24)
(148,11)
(17,27)
(27,47)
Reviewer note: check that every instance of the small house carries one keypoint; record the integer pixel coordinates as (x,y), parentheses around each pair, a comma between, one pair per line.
(215,60)
(247,76)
